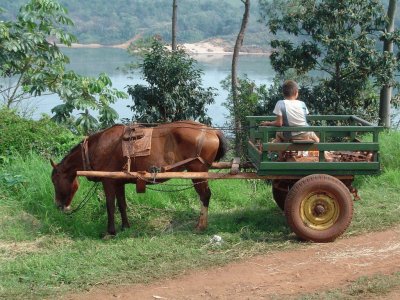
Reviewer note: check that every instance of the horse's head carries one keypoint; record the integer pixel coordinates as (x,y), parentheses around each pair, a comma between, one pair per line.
(65,186)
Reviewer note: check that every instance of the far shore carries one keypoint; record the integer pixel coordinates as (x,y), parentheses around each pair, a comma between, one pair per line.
(199,48)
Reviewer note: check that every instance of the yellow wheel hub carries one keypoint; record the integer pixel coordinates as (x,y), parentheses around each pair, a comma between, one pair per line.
(319,211)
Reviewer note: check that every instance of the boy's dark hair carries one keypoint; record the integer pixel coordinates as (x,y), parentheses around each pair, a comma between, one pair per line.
(290,88)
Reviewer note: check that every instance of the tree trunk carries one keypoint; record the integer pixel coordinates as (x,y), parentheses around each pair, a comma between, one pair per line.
(235,96)
(386,91)
(174,13)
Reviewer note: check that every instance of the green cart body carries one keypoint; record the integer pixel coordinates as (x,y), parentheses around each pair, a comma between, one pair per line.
(337,137)
(316,195)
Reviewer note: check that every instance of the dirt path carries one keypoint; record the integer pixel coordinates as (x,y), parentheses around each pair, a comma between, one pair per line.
(315,268)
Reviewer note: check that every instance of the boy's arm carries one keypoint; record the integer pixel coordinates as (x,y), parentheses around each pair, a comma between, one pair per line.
(277,122)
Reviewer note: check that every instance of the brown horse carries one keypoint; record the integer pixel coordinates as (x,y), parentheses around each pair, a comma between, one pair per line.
(170,144)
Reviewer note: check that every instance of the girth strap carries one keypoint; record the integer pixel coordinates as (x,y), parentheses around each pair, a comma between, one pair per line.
(182,163)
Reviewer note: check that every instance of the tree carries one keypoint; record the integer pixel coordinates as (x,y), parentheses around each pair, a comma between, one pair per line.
(337,41)
(174,91)
(249,96)
(235,82)
(28,58)
(87,94)
(386,91)
(32,64)
(174,13)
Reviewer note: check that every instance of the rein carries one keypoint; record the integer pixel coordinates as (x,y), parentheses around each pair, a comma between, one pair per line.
(178,187)
(222,128)
(85,200)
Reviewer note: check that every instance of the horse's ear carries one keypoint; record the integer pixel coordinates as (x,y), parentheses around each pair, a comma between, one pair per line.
(53,164)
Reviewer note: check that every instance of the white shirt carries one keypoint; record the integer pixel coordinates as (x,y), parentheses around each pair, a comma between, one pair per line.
(293,112)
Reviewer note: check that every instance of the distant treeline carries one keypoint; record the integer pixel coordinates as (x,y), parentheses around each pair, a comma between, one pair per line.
(112,22)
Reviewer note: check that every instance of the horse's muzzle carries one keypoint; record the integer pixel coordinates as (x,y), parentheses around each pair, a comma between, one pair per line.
(63,208)
(66,209)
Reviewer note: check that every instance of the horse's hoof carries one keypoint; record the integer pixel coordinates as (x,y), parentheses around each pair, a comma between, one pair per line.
(126,226)
(199,228)
(107,236)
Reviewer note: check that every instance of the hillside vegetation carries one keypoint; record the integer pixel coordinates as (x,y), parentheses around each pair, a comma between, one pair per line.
(114,22)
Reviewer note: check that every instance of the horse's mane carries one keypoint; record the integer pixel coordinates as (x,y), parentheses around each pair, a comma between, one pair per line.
(70,152)
(90,136)
(188,123)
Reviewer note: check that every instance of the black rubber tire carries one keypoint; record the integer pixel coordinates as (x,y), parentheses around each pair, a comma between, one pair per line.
(279,197)
(280,190)
(318,192)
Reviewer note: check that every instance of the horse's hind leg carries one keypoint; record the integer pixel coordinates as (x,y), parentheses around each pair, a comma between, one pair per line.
(121,200)
(202,189)
(109,190)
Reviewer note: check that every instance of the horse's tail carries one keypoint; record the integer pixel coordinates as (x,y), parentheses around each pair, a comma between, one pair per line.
(223,145)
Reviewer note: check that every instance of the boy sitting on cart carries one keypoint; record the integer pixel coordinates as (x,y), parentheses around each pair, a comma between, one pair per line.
(291,112)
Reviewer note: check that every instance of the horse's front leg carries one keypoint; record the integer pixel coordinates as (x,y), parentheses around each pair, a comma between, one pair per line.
(204,193)
(121,200)
(109,190)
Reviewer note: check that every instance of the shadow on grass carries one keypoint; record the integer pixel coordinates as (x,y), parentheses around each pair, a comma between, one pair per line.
(261,224)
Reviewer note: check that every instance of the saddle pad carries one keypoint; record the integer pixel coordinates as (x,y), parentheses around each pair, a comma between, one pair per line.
(138,146)
(133,132)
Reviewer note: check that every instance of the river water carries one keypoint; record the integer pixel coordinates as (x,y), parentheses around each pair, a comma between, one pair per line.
(216,67)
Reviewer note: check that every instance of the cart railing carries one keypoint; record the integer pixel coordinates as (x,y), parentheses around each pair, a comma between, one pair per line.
(337,133)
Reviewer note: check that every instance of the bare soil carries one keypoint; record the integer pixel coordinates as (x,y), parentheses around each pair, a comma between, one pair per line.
(318,267)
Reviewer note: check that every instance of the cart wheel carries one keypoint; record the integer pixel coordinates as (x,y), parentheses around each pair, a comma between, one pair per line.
(319,208)
(280,189)
(279,197)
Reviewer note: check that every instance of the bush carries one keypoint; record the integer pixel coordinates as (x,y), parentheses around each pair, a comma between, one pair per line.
(389,143)
(174,91)
(19,135)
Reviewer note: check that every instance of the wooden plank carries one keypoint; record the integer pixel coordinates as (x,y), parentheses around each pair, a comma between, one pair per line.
(304,172)
(228,165)
(308,142)
(254,120)
(328,117)
(321,128)
(310,117)
(168,175)
(331,168)
(254,154)
(321,147)
(319,166)
(362,122)
(187,175)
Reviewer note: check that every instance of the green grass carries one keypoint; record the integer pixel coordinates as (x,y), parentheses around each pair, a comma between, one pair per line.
(46,253)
